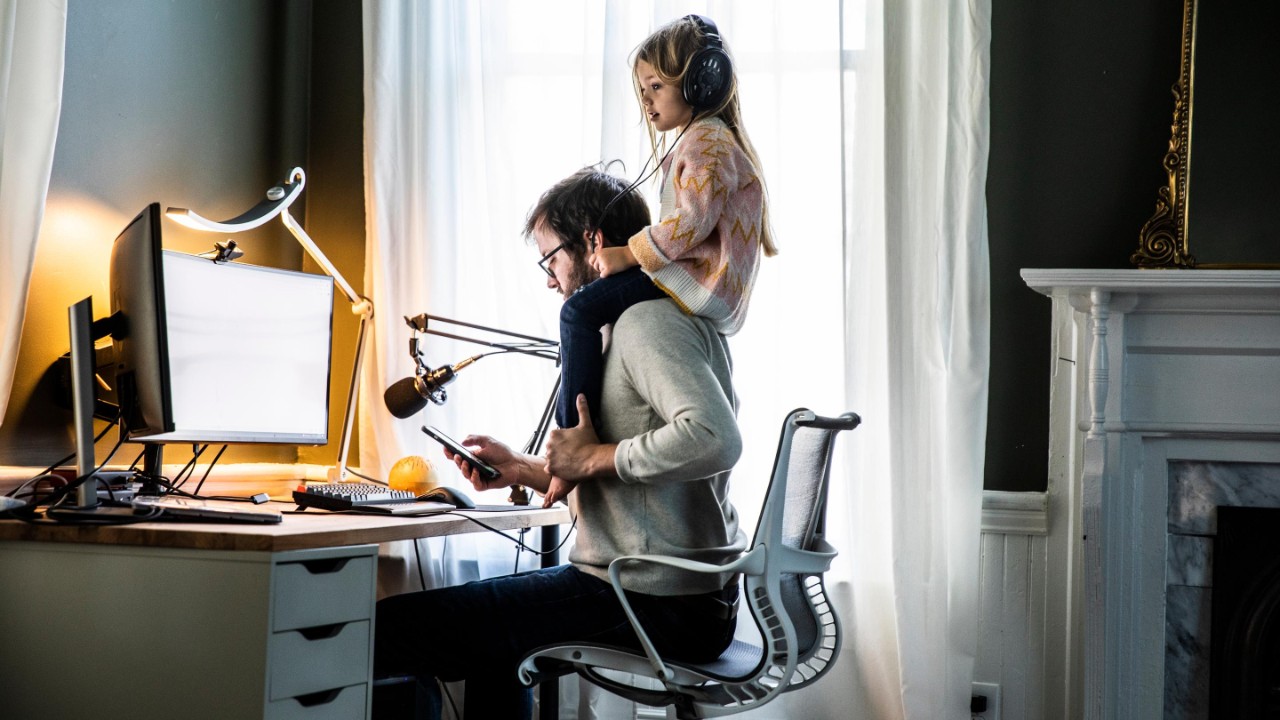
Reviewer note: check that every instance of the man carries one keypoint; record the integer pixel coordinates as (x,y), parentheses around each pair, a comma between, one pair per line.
(654,481)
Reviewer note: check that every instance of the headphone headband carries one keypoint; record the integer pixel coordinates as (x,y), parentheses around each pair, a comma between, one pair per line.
(709,30)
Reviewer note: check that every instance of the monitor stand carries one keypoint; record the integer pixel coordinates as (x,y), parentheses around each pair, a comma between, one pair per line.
(152,469)
(86,506)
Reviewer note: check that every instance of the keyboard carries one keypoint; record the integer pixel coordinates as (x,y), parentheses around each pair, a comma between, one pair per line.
(365,497)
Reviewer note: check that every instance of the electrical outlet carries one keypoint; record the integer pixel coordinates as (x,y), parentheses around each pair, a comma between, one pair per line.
(987,697)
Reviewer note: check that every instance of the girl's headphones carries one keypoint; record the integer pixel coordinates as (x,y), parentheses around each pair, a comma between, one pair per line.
(710,73)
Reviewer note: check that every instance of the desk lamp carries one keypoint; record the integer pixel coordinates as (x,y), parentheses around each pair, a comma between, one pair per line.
(277,202)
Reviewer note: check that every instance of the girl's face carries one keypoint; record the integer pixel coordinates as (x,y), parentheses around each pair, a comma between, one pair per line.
(663,104)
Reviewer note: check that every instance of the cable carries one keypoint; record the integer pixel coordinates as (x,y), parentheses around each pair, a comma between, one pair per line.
(70,457)
(640,180)
(362,476)
(46,472)
(523,532)
(209,470)
(486,526)
(57,495)
(520,544)
(422,578)
(190,467)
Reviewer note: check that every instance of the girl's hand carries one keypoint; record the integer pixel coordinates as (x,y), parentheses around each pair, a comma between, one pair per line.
(612,260)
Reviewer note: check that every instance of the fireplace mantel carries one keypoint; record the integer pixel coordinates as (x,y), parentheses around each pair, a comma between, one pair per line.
(1151,366)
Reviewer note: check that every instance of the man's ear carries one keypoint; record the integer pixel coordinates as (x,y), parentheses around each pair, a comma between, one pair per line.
(594,239)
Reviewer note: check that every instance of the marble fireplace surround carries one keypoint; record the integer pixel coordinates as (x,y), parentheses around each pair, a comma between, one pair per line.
(1156,374)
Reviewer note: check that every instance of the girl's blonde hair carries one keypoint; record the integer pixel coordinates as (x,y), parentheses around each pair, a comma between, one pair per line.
(669,50)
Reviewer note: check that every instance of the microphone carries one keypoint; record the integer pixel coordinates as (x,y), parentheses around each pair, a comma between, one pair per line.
(408,396)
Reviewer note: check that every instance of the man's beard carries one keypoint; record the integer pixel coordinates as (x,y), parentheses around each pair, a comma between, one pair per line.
(581,274)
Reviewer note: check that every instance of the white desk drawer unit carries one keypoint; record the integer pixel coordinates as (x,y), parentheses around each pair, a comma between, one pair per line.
(156,621)
(183,633)
(320,655)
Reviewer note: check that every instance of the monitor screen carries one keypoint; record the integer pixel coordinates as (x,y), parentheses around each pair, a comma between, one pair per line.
(249,351)
(218,352)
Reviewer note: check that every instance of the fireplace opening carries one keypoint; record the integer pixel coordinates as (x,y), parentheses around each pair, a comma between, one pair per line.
(1244,669)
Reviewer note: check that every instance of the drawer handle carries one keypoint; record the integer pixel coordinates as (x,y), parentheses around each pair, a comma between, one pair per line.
(321,632)
(324,566)
(324,697)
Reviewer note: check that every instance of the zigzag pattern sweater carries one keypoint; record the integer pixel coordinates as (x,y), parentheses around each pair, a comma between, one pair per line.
(705,250)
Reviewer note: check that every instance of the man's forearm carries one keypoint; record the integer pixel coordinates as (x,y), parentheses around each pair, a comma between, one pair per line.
(597,462)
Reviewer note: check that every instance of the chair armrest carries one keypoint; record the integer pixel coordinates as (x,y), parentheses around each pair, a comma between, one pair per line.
(808,562)
(750,563)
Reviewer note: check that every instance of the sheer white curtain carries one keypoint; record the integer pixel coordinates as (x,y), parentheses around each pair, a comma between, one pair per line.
(916,140)
(871,124)
(32,35)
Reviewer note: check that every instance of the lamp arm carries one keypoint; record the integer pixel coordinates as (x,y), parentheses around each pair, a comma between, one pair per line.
(358,303)
(353,390)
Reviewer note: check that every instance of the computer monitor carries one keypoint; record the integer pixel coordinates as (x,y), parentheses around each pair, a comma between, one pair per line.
(216,352)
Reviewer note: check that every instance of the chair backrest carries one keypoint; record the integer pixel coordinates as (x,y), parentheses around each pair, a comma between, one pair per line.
(791,526)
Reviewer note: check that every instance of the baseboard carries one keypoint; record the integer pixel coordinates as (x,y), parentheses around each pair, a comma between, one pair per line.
(1015,513)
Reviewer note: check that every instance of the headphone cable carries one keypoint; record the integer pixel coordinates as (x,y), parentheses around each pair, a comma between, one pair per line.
(609,205)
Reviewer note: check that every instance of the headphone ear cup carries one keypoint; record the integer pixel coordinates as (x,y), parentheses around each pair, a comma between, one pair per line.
(706,82)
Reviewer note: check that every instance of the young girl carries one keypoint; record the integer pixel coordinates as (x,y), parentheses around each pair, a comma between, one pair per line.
(705,250)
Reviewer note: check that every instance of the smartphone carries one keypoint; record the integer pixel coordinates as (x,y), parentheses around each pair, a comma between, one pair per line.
(487,471)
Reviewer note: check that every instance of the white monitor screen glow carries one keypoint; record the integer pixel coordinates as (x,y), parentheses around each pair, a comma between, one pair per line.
(249,352)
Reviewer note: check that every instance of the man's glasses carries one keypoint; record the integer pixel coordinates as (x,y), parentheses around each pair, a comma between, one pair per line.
(547,258)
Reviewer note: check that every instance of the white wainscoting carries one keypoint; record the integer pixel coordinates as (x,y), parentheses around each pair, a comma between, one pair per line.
(1015,614)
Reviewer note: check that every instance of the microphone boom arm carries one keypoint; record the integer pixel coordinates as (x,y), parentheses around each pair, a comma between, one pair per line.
(534,346)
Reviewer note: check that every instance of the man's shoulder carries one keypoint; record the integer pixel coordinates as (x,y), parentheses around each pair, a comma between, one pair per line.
(663,313)
(662,310)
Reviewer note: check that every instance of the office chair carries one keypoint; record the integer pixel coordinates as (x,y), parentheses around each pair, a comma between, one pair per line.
(782,576)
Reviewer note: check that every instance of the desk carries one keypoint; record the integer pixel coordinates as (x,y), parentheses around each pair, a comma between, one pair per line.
(167,620)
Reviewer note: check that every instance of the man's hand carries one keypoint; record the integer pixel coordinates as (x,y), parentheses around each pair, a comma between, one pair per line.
(493,452)
(612,260)
(576,454)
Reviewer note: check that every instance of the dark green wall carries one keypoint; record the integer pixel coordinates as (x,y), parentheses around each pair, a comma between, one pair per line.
(201,104)
(1081,108)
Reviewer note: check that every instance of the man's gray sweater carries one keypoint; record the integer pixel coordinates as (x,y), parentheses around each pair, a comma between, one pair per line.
(668,401)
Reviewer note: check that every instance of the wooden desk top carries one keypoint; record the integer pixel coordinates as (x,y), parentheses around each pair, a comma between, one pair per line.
(298,531)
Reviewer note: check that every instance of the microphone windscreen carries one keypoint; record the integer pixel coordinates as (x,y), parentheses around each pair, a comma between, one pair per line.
(403,398)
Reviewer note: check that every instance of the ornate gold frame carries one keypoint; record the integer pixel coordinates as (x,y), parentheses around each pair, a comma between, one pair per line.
(1162,242)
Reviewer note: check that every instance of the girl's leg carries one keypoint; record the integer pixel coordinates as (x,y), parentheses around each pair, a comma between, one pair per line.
(593,306)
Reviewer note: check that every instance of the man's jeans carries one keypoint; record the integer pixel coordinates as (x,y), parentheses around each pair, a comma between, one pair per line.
(480,631)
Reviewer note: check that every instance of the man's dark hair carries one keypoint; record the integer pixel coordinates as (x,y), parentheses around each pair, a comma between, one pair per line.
(577,203)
